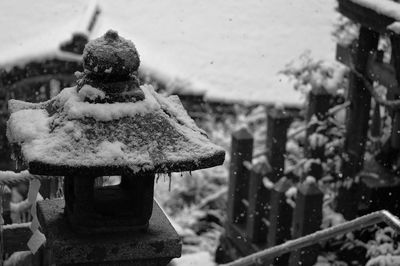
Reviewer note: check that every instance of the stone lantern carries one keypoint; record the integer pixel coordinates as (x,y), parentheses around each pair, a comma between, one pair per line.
(108,125)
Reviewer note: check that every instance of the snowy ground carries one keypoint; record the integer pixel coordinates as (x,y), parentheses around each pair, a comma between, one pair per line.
(230,50)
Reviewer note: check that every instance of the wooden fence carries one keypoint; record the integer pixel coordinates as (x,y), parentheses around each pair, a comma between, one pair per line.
(260,213)
(259,216)
(366,67)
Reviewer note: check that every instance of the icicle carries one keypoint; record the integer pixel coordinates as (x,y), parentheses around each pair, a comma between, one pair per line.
(169,184)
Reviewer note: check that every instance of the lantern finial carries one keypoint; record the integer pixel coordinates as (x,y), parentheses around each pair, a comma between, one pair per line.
(111,35)
(110,64)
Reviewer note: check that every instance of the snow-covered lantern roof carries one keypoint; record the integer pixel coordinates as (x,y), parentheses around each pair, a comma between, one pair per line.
(109,125)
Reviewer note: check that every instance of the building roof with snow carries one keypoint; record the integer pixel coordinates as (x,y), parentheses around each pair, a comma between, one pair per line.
(39,30)
(228,51)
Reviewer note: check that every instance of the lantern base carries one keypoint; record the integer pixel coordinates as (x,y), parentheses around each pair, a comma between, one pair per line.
(64,246)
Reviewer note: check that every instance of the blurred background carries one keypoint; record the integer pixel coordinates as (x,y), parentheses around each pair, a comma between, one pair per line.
(227,60)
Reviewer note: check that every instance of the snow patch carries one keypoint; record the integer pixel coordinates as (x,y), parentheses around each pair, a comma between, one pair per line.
(395,27)
(27,125)
(317,140)
(111,150)
(268,183)
(310,180)
(76,108)
(194,259)
(291,195)
(91,93)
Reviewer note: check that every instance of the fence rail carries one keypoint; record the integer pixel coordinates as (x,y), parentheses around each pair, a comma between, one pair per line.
(319,236)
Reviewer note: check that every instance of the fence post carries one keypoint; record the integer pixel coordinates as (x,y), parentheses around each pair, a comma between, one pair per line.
(280,219)
(357,123)
(376,125)
(318,106)
(259,195)
(242,150)
(278,122)
(307,218)
(395,135)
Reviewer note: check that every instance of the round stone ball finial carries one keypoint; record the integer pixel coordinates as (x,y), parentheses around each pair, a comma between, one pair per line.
(111,56)
(111,35)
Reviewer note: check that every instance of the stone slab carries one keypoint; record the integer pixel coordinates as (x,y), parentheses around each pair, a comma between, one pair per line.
(156,246)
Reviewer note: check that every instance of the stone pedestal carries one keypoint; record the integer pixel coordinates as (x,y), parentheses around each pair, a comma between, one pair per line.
(157,246)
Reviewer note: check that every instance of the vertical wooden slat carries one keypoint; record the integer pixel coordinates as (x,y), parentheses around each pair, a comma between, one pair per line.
(6,199)
(278,122)
(307,218)
(357,123)
(2,255)
(360,98)
(242,149)
(395,135)
(259,206)
(280,218)
(376,124)
(318,106)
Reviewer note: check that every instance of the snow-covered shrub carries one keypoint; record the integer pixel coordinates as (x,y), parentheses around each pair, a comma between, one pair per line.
(346,31)
(384,250)
(317,75)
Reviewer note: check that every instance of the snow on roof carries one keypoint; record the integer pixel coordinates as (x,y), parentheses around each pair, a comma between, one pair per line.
(75,107)
(35,29)
(229,50)
(155,134)
(385,7)
(28,125)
